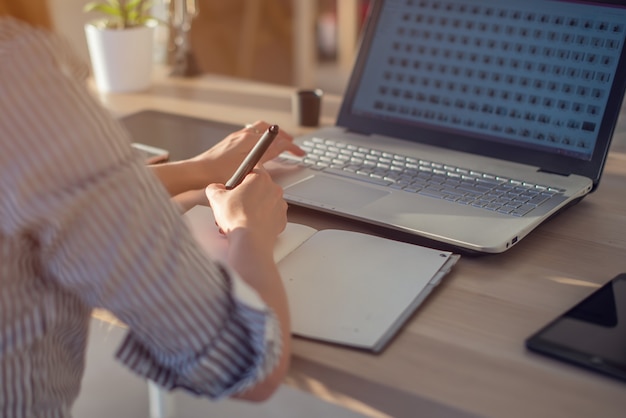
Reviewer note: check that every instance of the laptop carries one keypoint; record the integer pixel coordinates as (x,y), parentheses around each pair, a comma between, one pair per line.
(469,122)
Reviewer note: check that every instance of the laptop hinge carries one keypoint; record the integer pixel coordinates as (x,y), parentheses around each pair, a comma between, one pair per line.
(544,170)
(357,132)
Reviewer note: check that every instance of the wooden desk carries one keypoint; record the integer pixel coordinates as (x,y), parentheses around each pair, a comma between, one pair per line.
(463,353)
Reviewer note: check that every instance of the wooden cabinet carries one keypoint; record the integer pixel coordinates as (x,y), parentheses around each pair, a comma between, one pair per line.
(31,11)
(271,40)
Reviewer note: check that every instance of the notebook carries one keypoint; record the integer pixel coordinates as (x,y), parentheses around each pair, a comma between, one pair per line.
(343,287)
(469,122)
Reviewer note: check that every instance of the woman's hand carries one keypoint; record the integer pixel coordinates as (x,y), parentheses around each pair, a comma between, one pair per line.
(191,198)
(217,164)
(220,161)
(256,206)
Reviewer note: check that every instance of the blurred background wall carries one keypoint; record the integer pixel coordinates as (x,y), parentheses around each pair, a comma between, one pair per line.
(262,40)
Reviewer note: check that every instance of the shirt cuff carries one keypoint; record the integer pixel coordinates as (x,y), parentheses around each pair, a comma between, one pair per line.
(245,351)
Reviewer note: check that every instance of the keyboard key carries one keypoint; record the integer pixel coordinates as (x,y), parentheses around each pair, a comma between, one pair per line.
(432,193)
(522,210)
(538,200)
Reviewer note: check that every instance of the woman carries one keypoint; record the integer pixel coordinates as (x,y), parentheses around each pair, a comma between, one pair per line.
(85,224)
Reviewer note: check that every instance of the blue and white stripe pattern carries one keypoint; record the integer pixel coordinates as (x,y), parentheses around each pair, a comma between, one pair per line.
(84,225)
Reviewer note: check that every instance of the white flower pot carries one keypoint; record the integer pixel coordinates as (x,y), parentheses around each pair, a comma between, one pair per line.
(121,59)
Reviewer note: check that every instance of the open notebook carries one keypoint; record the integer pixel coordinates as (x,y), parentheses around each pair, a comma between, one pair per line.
(343,287)
(469,122)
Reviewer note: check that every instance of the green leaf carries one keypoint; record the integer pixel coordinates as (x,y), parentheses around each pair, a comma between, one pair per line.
(102,8)
(132,4)
(127,13)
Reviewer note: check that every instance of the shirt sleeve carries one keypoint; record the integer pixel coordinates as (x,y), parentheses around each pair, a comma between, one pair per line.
(106,230)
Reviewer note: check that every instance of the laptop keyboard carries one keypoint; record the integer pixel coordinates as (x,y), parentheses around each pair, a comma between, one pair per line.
(428,178)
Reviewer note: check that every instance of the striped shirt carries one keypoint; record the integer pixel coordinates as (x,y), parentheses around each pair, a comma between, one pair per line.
(84,225)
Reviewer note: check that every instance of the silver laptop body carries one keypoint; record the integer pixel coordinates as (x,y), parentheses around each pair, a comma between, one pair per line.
(516,97)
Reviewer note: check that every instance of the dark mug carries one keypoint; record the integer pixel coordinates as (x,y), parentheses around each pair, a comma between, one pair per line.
(306,107)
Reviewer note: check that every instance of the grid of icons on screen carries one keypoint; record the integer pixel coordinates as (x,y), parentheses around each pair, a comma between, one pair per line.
(534,77)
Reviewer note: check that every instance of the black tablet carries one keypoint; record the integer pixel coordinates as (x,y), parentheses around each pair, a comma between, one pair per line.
(592,334)
(182,136)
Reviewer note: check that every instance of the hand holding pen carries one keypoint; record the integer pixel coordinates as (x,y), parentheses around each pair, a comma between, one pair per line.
(248,164)
(253,157)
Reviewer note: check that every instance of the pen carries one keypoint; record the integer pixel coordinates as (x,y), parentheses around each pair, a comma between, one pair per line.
(253,157)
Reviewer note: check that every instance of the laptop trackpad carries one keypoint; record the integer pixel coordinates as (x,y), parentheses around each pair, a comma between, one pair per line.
(333,193)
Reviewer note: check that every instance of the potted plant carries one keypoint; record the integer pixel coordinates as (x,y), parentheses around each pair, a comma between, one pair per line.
(121,44)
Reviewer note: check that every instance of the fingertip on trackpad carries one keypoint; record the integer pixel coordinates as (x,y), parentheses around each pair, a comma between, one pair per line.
(333,192)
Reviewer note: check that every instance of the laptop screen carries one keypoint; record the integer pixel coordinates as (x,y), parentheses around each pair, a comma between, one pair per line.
(515,79)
